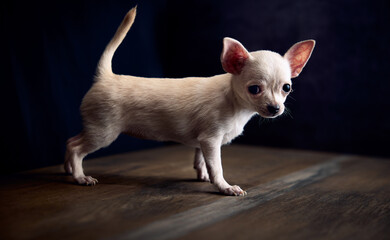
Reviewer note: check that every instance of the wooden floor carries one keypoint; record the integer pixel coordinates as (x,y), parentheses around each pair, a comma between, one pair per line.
(154,195)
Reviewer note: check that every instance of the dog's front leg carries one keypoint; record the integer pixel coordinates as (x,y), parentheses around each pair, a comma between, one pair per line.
(211,150)
(200,166)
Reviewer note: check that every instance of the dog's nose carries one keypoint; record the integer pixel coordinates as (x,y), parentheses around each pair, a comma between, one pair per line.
(273,109)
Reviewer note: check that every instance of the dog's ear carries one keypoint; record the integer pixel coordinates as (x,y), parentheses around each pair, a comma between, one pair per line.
(298,55)
(233,56)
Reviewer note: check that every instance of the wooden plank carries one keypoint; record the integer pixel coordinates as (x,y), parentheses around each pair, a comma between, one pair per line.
(352,204)
(196,218)
(140,188)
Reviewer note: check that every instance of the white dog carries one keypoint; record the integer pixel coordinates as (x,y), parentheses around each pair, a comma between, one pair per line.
(204,113)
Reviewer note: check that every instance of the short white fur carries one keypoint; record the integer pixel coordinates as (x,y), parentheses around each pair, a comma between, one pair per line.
(204,113)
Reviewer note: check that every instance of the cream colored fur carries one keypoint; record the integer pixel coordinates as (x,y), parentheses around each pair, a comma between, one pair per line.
(203,113)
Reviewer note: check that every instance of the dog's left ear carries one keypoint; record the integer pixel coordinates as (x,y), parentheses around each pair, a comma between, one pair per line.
(298,55)
(233,56)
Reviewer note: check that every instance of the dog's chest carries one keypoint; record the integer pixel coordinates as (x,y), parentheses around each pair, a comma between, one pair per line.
(235,127)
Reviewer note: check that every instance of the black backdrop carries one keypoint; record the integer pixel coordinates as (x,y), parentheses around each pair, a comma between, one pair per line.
(50,51)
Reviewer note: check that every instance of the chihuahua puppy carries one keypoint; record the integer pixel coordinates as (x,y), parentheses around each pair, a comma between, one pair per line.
(204,113)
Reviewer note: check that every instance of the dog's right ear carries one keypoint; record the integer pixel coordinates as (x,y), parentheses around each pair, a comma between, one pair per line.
(298,55)
(233,56)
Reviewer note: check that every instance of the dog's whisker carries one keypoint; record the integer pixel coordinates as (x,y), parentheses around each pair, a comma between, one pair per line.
(291,97)
(287,112)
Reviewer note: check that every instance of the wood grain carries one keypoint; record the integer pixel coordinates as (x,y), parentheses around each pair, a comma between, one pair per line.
(141,188)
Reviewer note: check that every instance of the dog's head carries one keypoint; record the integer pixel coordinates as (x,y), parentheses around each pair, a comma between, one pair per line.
(262,79)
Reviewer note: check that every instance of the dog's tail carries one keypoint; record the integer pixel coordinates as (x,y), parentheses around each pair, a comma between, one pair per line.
(104,66)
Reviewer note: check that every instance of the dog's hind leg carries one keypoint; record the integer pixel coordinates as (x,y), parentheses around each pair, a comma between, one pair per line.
(82,145)
(73,141)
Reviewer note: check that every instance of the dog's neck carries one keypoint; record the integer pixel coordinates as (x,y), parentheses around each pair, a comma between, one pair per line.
(239,104)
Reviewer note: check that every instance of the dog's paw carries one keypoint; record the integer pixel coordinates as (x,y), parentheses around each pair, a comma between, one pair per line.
(201,172)
(86,180)
(203,176)
(233,191)
(68,168)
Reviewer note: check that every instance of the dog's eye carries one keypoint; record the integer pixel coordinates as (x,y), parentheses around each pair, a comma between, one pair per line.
(286,87)
(254,89)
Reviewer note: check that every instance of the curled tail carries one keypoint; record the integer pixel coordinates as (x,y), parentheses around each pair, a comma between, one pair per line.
(104,65)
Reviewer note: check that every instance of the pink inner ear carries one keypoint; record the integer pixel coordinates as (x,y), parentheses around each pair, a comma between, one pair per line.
(233,59)
(298,55)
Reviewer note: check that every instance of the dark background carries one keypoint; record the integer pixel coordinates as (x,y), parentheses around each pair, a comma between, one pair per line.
(50,51)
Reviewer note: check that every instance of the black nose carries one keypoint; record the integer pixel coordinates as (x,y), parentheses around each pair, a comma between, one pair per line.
(273,109)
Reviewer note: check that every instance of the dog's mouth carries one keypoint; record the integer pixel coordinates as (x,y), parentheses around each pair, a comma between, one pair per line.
(266,114)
